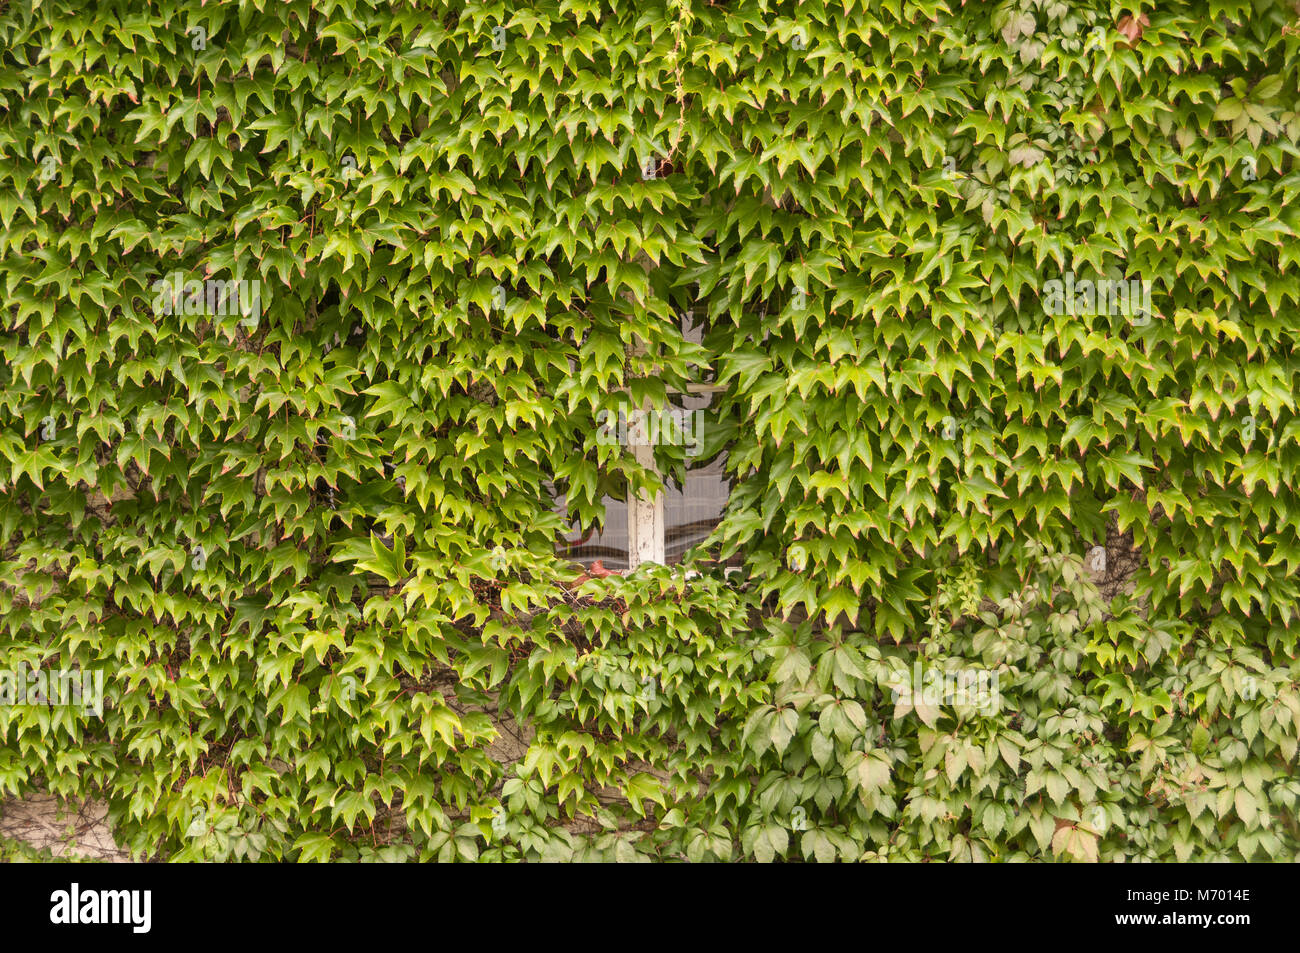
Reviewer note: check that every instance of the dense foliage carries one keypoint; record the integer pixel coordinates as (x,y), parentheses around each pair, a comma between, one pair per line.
(306,525)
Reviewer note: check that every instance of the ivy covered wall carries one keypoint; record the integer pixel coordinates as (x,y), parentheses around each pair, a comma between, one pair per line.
(310,311)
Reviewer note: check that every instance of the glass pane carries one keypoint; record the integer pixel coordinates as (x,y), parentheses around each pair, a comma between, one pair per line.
(691,513)
(609,545)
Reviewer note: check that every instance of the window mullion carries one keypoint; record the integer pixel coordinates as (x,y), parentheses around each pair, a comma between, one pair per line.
(645,514)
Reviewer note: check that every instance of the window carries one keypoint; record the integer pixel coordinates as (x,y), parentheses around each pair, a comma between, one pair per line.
(661,529)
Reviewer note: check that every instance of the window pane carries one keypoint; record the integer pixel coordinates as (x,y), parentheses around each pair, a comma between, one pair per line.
(691,513)
(609,546)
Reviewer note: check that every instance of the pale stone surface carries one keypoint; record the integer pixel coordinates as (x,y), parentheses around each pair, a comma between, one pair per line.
(68,830)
